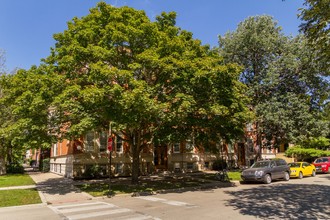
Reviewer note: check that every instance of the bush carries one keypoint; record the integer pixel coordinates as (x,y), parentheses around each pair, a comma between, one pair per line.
(45,165)
(219,165)
(94,171)
(14,168)
(304,154)
(33,163)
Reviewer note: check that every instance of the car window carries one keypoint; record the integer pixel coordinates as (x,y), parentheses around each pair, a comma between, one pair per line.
(260,164)
(294,164)
(273,164)
(318,160)
(321,160)
(280,162)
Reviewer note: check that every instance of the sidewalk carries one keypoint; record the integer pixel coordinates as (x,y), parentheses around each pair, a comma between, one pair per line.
(55,189)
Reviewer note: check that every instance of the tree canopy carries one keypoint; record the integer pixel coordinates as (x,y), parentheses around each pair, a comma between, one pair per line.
(145,78)
(316,27)
(284,82)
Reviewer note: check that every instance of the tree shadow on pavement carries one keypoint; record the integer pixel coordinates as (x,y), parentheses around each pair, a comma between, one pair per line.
(59,186)
(284,201)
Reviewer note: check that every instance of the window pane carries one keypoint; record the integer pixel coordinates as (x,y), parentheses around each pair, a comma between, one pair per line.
(176,148)
(89,141)
(119,144)
(103,141)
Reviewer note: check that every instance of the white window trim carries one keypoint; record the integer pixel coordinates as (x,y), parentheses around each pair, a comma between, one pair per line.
(174,148)
(88,148)
(121,145)
(98,141)
(55,150)
(190,146)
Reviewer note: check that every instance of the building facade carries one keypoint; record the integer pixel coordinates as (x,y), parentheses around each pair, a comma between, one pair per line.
(88,156)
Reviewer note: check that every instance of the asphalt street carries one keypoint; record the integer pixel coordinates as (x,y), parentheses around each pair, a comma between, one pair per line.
(306,198)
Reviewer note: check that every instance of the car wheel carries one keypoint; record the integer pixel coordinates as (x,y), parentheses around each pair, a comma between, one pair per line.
(267,179)
(313,173)
(287,176)
(301,175)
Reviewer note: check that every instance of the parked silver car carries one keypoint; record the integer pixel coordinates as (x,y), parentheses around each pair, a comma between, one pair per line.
(266,171)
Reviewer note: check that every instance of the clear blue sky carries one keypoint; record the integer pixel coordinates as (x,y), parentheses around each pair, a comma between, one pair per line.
(27,26)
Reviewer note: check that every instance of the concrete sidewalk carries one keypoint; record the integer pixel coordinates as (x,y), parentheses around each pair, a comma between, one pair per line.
(55,189)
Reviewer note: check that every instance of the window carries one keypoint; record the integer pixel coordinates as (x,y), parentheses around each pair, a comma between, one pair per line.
(272,164)
(189,145)
(119,168)
(103,141)
(190,166)
(89,141)
(250,145)
(176,148)
(119,144)
(230,148)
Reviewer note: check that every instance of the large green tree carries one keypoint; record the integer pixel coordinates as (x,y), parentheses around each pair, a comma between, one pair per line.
(316,27)
(283,80)
(24,101)
(143,76)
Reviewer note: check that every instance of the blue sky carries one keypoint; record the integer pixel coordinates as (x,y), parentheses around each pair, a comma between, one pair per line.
(27,26)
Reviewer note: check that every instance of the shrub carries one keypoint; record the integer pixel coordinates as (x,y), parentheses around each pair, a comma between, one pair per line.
(33,163)
(45,165)
(303,154)
(219,165)
(14,168)
(94,171)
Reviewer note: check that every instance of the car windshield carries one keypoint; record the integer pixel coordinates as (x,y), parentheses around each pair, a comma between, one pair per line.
(294,164)
(260,164)
(321,160)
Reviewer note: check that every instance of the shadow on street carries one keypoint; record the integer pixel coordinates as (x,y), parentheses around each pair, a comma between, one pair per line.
(54,186)
(284,201)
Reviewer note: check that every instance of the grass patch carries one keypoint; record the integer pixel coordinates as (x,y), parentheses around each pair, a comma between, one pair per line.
(17,197)
(235,175)
(15,180)
(102,189)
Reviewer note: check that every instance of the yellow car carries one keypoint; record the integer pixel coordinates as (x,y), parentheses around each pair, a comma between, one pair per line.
(301,169)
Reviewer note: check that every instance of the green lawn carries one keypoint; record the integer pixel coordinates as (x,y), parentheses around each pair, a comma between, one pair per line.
(15,180)
(18,197)
(234,175)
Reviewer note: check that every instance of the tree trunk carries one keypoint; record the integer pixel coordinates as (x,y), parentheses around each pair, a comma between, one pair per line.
(2,165)
(259,143)
(3,154)
(135,164)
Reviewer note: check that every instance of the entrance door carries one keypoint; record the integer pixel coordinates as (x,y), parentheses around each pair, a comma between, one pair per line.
(160,157)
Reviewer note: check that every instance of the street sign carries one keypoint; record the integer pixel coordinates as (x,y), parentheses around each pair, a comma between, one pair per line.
(110,141)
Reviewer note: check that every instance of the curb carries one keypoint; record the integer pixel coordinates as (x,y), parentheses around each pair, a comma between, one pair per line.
(19,187)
